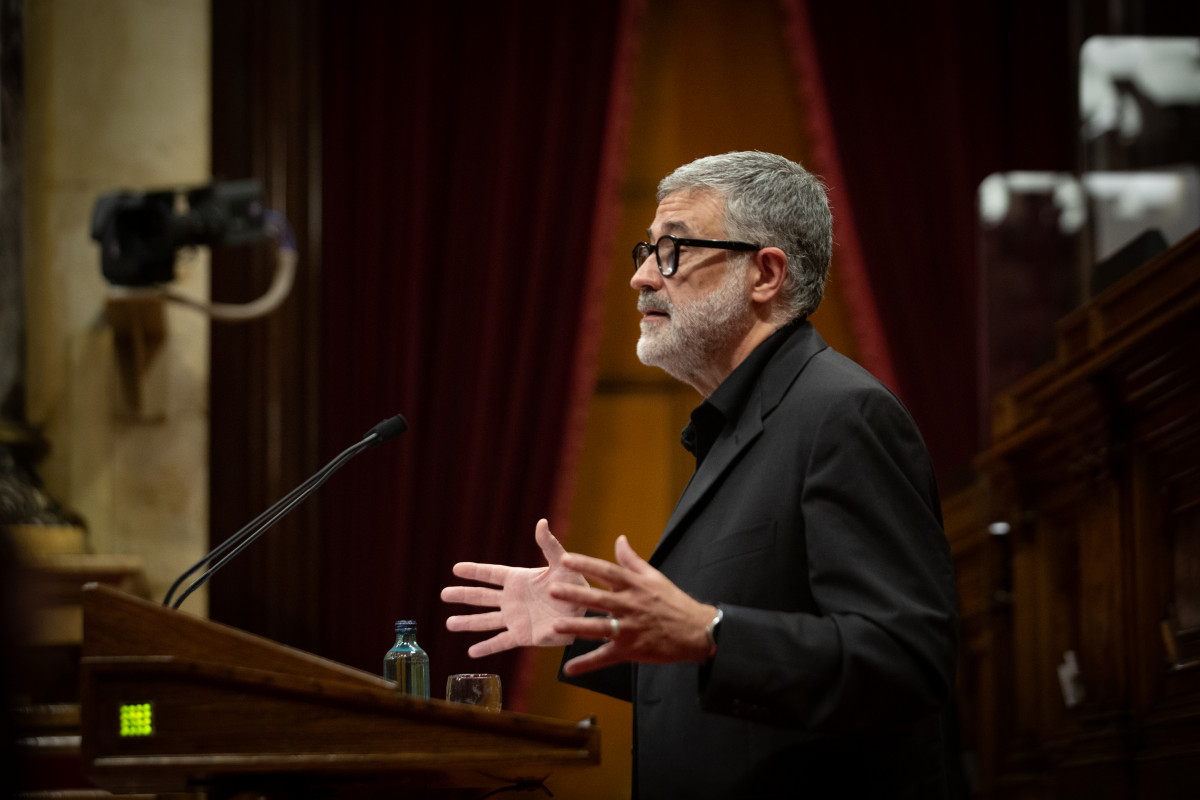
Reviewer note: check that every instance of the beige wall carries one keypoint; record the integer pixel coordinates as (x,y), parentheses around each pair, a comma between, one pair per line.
(117,97)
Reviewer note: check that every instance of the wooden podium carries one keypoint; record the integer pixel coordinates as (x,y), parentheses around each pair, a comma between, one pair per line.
(173,703)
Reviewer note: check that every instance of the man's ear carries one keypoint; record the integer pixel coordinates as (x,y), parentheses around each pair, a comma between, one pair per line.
(771,263)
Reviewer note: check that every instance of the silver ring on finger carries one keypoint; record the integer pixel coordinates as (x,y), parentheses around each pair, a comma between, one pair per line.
(614,627)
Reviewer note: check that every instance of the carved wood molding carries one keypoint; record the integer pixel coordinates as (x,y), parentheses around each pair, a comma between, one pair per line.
(1095,465)
(1133,316)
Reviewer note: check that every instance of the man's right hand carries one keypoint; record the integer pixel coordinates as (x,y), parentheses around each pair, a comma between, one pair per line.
(526,612)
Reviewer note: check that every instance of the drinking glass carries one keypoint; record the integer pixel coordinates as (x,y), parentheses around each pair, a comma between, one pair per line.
(475,689)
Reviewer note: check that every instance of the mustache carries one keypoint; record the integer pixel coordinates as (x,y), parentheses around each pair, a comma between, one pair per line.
(649,300)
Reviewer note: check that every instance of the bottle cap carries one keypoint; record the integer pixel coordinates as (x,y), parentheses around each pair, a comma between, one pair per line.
(406,626)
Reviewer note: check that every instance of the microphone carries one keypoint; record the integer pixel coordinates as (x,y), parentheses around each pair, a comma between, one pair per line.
(385,431)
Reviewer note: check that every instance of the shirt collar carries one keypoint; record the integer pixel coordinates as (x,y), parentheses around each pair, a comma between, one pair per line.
(726,404)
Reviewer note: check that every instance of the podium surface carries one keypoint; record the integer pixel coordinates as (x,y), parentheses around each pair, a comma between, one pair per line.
(171,702)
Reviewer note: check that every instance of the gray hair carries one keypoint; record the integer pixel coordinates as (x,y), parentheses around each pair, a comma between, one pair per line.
(772,202)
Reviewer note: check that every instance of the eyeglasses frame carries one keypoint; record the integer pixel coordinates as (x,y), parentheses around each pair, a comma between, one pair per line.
(677,242)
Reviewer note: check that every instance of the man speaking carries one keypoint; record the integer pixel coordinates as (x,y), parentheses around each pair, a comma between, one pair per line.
(794,632)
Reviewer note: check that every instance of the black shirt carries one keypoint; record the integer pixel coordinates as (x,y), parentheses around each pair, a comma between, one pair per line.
(725,405)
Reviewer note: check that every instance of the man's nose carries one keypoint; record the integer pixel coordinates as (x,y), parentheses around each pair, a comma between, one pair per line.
(647,275)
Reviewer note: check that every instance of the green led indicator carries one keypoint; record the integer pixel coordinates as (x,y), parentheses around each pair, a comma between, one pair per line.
(137,720)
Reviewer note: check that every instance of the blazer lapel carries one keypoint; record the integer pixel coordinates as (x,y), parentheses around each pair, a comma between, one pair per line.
(777,377)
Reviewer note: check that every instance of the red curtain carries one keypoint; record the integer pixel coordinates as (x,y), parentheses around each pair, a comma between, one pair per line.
(924,101)
(860,297)
(471,151)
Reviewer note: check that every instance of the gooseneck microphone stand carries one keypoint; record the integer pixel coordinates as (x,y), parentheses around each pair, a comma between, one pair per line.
(229,549)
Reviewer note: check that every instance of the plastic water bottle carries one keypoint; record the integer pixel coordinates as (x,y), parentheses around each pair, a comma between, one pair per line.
(406,663)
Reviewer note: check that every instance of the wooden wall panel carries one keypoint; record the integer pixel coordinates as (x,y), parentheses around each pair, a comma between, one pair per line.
(1095,464)
(265,373)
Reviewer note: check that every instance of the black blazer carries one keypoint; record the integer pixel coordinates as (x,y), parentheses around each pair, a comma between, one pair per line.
(814,522)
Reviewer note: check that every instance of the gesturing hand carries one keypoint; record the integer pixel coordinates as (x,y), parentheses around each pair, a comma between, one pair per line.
(657,621)
(526,612)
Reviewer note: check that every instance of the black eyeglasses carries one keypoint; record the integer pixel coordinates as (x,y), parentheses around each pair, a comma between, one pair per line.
(668,260)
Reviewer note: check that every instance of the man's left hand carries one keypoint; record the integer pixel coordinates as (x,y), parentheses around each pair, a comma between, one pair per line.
(657,622)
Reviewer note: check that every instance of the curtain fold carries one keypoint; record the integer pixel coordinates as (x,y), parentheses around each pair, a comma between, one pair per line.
(464,144)
(850,269)
(923,102)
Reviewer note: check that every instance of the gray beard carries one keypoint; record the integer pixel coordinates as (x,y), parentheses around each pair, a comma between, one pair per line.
(698,332)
